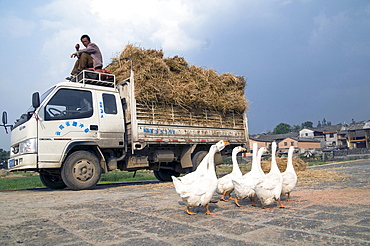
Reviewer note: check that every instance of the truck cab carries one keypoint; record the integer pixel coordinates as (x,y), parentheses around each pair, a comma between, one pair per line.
(70,118)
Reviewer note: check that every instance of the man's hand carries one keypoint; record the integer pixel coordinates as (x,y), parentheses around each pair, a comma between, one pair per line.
(74,55)
(77,46)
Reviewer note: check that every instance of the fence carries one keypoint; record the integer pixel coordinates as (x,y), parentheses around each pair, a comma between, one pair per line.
(360,153)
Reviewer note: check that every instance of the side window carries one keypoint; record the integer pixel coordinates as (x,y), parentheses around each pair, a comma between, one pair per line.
(109,103)
(69,104)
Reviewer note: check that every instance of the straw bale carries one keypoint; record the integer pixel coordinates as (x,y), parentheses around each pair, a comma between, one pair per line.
(298,164)
(173,81)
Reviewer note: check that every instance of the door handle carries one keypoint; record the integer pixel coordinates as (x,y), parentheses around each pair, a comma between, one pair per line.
(94,128)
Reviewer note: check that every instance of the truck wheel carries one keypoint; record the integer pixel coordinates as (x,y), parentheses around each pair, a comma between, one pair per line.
(165,174)
(81,170)
(52,180)
(197,158)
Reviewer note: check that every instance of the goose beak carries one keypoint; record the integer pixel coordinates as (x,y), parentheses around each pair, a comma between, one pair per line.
(226,143)
(244,149)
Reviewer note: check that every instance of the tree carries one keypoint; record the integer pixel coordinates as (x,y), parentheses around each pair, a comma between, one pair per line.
(307,124)
(282,128)
(4,156)
(296,128)
(324,122)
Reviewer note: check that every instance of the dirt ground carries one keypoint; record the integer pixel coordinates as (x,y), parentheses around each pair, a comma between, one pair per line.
(325,211)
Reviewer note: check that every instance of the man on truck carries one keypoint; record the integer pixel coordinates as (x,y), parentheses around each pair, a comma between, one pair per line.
(90,57)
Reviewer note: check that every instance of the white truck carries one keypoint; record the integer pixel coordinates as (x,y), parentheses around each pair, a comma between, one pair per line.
(80,129)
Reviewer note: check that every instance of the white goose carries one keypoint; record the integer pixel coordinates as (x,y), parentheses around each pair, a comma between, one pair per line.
(225,185)
(244,186)
(197,188)
(269,188)
(202,167)
(289,176)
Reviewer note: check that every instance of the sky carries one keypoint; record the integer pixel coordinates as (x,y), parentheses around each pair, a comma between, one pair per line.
(304,60)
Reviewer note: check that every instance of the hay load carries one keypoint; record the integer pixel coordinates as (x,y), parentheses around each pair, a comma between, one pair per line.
(172,81)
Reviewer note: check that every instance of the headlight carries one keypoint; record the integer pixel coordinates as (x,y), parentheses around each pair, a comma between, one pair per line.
(28,146)
(15,149)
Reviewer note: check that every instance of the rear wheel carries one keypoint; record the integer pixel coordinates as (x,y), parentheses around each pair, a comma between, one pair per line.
(165,174)
(52,179)
(197,158)
(81,170)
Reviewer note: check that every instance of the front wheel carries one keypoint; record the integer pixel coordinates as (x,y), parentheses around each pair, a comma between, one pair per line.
(52,179)
(81,170)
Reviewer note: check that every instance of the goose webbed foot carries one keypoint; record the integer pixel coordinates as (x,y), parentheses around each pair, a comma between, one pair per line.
(189,212)
(281,204)
(237,202)
(208,212)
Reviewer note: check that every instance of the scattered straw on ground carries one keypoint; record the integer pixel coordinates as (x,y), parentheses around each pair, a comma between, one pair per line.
(298,163)
(174,81)
(311,176)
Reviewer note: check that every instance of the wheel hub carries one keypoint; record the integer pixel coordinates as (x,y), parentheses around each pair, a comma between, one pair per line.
(83,170)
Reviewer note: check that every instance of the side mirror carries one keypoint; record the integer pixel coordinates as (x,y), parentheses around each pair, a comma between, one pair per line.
(35,100)
(5,118)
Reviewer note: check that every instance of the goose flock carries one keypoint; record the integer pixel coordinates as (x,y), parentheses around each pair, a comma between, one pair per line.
(198,187)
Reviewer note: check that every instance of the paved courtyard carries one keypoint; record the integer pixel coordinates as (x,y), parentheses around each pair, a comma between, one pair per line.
(329,212)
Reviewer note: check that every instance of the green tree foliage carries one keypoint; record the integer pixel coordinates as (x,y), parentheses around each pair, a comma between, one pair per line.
(4,156)
(307,124)
(282,128)
(296,128)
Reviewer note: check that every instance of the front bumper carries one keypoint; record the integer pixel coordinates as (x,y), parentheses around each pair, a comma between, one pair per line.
(23,162)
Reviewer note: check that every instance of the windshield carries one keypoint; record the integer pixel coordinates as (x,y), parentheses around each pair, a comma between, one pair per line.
(26,116)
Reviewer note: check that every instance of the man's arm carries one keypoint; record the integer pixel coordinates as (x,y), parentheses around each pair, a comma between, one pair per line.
(91,48)
(77,47)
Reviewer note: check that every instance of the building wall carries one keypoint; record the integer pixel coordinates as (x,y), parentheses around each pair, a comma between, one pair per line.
(259,144)
(309,145)
(286,143)
(331,139)
(306,133)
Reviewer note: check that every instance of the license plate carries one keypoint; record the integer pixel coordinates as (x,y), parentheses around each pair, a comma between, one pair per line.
(11,163)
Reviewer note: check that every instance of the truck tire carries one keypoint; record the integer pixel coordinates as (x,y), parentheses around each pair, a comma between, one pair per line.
(197,158)
(52,180)
(165,174)
(81,170)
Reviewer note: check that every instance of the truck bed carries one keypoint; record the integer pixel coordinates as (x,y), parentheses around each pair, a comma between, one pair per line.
(159,122)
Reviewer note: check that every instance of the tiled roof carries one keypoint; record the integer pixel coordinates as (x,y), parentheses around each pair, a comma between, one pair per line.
(327,128)
(272,137)
(280,137)
(358,126)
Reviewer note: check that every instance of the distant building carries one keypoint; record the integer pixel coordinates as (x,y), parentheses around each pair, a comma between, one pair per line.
(325,138)
(302,144)
(284,141)
(358,135)
(329,136)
